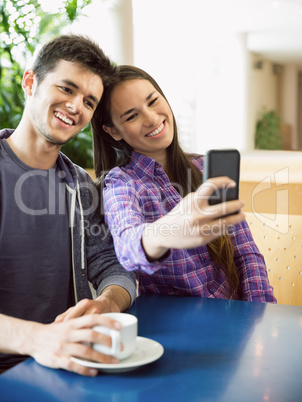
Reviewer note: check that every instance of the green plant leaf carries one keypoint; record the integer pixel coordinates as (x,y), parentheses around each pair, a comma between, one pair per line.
(46,26)
(268,133)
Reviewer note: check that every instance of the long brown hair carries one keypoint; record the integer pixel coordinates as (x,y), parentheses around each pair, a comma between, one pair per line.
(109,153)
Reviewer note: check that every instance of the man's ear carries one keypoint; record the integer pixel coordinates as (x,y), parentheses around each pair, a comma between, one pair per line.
(28,82)
(112,131)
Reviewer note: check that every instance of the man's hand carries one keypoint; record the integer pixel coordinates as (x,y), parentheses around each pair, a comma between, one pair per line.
(55,343)
(52,345)
(113,299)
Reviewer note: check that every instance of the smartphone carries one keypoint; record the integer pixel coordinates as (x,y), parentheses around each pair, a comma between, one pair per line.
(222,162)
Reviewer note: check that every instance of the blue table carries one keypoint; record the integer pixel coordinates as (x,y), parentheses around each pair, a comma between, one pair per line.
(215,350)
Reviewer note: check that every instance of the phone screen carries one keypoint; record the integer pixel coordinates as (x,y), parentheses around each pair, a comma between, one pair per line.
(222,162)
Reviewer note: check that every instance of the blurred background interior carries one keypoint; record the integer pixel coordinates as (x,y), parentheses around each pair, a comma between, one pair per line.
(232,71)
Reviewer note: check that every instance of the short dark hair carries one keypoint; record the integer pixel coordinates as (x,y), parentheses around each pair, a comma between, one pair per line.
(78,49)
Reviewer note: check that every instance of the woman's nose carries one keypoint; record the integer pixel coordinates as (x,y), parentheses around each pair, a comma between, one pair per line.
(150,118)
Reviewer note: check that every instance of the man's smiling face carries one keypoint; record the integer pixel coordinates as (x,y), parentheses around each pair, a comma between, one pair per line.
(63,103)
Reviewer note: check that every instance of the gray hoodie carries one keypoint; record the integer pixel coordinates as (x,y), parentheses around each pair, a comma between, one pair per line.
(93,256)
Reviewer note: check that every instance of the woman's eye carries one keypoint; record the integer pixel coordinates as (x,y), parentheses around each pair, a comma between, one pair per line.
(153,101)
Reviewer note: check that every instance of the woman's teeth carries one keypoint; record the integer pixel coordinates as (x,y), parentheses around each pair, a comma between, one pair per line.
(158,130)
(63,118)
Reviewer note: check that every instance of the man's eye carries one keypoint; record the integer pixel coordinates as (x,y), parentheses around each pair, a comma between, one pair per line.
(89,104)
(65,89)
(131,117)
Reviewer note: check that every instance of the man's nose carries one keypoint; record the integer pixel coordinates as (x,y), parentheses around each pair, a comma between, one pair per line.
(75,105)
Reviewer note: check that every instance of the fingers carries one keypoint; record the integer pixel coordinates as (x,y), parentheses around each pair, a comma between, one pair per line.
(213,184)
(83,335)
(219,227)
(75,338)
(86,352)
(80,331)
(55,343)
(198,202)
(225,208)
(92,320)
(68,364)
(61,317)
(78,310)
(82,370)
(202,194)
(83,307)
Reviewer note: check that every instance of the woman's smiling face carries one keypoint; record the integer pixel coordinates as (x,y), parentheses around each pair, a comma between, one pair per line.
(142,117)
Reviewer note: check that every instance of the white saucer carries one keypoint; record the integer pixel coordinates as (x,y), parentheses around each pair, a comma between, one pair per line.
(146,351)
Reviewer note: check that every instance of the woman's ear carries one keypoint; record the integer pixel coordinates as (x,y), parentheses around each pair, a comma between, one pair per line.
(28,82)
(112,131)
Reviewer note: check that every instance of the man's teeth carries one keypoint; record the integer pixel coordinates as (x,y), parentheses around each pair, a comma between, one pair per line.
(63,118)
(158,130)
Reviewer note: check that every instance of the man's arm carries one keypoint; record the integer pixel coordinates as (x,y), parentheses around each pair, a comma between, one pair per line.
(106,274)
(52,345)
(117,298)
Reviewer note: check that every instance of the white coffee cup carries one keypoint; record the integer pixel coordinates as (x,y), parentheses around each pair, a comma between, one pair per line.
(126,336)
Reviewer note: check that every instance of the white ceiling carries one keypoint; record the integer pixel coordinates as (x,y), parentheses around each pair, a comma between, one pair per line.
(274,28)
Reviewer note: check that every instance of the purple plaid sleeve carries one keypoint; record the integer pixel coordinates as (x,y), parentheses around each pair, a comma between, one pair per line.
(126,223)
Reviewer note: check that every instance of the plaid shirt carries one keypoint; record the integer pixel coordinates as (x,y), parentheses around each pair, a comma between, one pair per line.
(140,193)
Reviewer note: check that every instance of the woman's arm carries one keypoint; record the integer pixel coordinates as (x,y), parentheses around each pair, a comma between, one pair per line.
(192,223)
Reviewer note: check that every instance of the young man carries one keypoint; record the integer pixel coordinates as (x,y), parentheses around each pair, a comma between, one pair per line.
(53,244)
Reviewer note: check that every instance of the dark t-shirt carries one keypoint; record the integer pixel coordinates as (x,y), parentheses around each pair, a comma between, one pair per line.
(35,249)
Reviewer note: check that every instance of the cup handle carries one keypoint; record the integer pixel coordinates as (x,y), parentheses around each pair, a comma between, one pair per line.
(116,341)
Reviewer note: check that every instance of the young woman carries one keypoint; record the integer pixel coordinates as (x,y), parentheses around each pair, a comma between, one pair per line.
(157,208)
